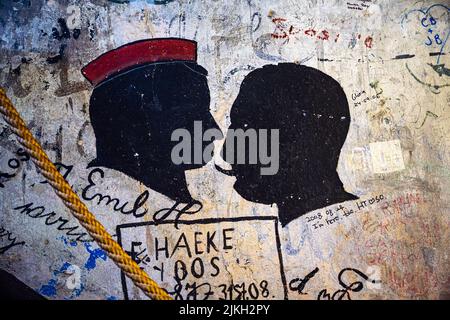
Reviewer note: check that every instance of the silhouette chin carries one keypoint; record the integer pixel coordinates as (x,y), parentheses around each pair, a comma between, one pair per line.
(186,167)
(230,173)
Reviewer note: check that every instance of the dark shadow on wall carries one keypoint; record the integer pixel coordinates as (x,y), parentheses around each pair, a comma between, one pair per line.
(13,289)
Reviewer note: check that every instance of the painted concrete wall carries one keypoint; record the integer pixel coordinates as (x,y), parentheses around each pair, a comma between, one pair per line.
(391,59)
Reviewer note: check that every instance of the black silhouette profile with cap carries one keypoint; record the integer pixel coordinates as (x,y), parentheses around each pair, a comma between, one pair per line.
(311,112)
(143,92)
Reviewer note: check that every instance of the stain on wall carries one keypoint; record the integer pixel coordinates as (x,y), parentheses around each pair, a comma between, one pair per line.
(212,230)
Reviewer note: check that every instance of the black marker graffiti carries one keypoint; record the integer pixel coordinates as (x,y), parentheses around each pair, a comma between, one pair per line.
(118,206)
(337,214)
(164,214)
(137,209)
(193,261)
(8,241)
(14,164)
(39,212)
(298,284)
(344,294)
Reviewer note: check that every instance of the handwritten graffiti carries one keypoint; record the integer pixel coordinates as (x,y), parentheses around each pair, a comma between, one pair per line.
(8,240)
(344,294)
(137,209)
(23,157)
(285,30)
(52,218)
(432,22)
(298,284)
(14,164)
(196,262)
(335,215)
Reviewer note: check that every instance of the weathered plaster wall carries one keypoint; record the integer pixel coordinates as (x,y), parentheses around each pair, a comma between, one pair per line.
(396,156)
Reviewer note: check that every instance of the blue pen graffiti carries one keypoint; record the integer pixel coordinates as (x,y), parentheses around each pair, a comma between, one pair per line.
(430,24)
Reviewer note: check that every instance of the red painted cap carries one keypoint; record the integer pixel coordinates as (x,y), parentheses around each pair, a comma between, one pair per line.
(139,53)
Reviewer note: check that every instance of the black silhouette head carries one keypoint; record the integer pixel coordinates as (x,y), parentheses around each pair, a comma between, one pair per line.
(311,112)
(134,112)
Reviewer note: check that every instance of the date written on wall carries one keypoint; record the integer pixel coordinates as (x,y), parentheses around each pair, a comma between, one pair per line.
(208,259)
(333,215)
